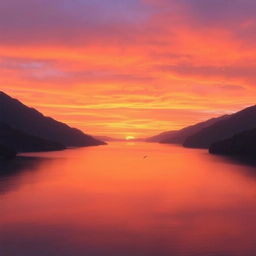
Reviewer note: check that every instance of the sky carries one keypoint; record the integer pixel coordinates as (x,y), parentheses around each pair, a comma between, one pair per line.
(129,67)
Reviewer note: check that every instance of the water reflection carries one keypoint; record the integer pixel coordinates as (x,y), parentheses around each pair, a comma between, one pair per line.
(244,166)
(240,160)
(14,172)
(112,201)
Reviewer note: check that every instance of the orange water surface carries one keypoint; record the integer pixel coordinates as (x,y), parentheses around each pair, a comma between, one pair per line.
(127,199)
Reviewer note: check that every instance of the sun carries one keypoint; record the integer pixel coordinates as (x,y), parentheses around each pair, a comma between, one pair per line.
(129,137)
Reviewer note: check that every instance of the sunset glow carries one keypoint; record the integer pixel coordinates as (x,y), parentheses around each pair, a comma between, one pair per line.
(140,66)
(130,138)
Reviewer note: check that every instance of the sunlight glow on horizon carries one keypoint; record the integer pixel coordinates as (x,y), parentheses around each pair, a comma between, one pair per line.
(129,137)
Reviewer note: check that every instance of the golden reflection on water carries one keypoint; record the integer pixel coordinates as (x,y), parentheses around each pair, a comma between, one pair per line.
(114,201)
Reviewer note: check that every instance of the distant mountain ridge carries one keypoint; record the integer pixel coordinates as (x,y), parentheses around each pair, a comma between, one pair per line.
(32,122)
(223,129)
(179,136)
(106,138)
(161,136)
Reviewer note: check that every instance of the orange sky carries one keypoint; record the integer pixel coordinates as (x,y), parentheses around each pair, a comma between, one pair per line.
(134,67)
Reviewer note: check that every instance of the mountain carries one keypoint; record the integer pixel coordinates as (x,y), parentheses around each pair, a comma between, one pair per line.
(106,138)
(178,137)
(19,141)
(224,129)
(6,152)
(161,136)
(241,144)
(17,115)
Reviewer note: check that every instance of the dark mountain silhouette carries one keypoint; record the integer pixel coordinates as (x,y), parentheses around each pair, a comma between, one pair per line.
(161,137)
(19,141)
(6,152)
(178,137)
(18,116)
(241,144)
(236,123)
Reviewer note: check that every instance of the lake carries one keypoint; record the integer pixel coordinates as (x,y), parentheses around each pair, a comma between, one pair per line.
(127,199)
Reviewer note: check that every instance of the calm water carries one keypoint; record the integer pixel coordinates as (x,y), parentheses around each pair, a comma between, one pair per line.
(114,201)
